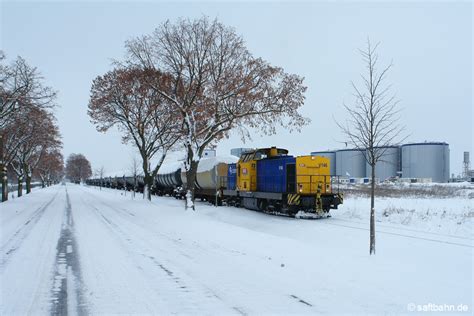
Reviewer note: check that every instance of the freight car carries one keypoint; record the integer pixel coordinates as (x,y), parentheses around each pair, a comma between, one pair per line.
(210,178)
(128,183)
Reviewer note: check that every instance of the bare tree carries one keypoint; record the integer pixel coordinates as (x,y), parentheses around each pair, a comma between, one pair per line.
(39,134)
(216,85)
(124,97)
(100,173)
(13,137)
(50,167)
(20,86)
(373,122)
(134,171)
(78,168)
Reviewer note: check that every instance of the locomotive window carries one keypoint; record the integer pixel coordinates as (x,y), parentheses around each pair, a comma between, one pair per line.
(260,155)
(248,157)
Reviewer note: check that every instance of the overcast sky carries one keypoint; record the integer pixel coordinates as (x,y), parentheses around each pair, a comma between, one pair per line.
(430,44)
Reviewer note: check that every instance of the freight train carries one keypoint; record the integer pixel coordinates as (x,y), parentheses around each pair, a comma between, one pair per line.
(265,179)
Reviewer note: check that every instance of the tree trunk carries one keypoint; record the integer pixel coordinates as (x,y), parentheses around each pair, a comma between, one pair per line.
(28,180)
(3,173)
(148,184)
(372,211)
(190,185)
(147,178)
(20,186)
(134,185)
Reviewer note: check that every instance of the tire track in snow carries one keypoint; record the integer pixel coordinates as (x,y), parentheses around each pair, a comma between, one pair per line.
(127,238)
(115,229)
(15,241)
(68,287)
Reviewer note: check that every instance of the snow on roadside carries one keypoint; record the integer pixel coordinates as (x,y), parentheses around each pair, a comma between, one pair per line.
(446,216)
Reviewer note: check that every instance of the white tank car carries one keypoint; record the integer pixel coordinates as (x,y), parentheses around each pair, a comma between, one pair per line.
(212,172)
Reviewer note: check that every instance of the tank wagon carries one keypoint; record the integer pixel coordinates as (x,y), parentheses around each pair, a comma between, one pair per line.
(166,183)
(426,160)
(210,176)
(128,183)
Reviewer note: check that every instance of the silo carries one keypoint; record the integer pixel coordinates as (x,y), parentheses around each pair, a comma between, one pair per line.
(388,165)
(331,155)
(350,163)
(426,160)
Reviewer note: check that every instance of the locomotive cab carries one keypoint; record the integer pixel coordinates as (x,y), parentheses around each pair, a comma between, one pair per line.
(247,166)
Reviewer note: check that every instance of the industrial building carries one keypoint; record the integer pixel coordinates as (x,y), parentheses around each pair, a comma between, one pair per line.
(426,160)
(389,164)
(416,162)
(209,153)
(350,163)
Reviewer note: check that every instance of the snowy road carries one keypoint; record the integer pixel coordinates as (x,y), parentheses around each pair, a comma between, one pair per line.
(82,251)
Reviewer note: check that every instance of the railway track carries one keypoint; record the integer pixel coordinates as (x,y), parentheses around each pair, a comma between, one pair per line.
(329,222)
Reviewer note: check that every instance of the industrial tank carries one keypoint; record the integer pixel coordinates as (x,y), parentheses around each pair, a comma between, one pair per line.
(426,160)
(350,163)
(388,165)
(331,155)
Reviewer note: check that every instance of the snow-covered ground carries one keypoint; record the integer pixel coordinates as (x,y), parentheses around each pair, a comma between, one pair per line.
(80,250)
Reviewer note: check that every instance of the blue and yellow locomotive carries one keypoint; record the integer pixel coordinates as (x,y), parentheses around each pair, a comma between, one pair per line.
(268,179)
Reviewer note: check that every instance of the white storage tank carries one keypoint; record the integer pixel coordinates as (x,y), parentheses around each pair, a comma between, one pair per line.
(331,155)
(388,165)
(350,163)
(426,160)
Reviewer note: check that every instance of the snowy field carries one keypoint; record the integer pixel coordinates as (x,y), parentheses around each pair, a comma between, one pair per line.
(77,250)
